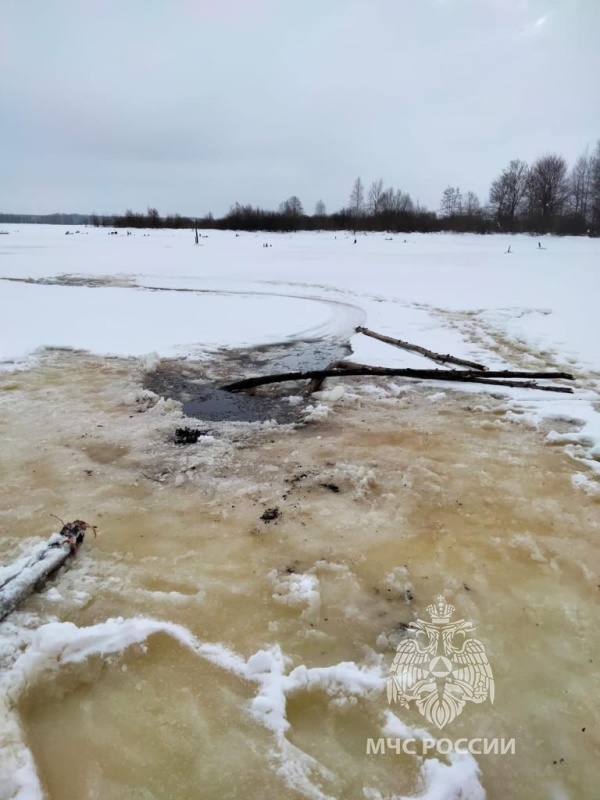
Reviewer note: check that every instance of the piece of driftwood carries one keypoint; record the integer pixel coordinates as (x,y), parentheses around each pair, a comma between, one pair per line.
(468,376)
(21,578)
(316,384)
(525,385)
(439,358)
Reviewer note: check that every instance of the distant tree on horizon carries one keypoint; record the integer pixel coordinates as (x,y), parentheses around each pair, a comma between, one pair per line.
(508,191)
(451,202)
(154,220)
(292,207)
(376,197)
(547,187)
(357,198)
(580,185)
(595,186)
(471,206)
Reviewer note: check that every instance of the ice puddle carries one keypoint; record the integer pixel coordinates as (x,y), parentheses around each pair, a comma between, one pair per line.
(62,646)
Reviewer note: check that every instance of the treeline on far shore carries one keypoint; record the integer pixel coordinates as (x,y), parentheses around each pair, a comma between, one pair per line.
(251,218)
(543,197)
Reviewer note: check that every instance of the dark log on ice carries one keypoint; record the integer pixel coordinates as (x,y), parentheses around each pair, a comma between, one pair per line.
(316,384)
(439,358)
(21,578)
(525,385)
(466,376)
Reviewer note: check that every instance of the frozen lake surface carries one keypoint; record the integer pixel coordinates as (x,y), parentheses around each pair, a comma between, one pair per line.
(245,596)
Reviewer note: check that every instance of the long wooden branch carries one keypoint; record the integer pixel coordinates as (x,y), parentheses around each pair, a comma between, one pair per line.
(525,385)
(469,376)
(439,358)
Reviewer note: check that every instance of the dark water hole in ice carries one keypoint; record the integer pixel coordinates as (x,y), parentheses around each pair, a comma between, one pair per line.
(196,384)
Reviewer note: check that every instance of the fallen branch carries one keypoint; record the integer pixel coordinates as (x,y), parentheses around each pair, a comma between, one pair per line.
(316,384)
(439,358)
(466,376)
(21,578)
(525,385)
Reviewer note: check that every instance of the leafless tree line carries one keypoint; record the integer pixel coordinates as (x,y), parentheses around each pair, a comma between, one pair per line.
(547,195)
(378,200)
(543,196)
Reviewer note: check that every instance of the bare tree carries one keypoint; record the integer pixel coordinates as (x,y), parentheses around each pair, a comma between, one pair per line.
(579,185)
(376,193)
(595,186)
(387,201)
(451,203)
(357,198)
(547,186)
(292,207)
(508,191)
(320,209)
(447,201)
(403,202)
(153,218)
(471,205)
(395,201)
(406,204)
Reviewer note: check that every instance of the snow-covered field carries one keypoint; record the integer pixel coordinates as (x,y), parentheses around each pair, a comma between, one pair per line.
(490,496)
(546,297)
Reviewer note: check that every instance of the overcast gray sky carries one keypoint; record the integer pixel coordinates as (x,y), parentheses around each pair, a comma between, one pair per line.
(190,105)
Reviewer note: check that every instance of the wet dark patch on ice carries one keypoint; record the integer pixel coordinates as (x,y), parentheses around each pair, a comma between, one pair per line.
(217,405)
(196,384)
(88,281)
